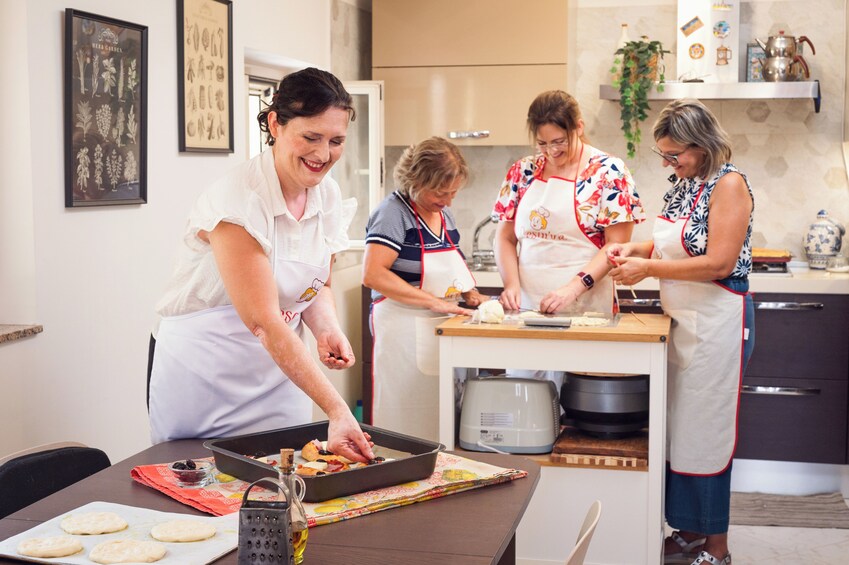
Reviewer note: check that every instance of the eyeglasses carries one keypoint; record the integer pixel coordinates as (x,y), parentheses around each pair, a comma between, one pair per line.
(552,147)
(671,159)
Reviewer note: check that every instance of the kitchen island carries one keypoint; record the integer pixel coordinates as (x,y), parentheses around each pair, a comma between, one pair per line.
(631,528)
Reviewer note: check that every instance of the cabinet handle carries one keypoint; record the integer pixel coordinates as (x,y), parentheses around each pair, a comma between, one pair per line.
(780,390)
(476,134)
(644,302)
(789,305)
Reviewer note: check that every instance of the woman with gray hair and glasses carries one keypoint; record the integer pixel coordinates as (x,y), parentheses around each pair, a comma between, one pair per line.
(702,254)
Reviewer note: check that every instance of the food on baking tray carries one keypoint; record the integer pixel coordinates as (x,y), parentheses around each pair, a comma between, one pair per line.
(57,546)
(182,531)
(93,523)
(127,551)
(316,460)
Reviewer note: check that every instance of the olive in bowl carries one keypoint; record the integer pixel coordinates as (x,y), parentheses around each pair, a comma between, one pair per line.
(190,473)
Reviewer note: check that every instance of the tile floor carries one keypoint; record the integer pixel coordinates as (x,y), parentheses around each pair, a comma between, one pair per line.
(752,545)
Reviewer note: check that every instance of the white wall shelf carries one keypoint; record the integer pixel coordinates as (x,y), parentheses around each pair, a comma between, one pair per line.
(728,91)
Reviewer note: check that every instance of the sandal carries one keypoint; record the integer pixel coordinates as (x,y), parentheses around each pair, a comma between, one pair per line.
(705,557)
(687,550)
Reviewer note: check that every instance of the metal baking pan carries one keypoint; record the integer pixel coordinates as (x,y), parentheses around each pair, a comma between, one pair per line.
(234,456)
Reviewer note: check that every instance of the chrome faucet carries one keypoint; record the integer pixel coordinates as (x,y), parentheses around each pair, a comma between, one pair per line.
(482,256)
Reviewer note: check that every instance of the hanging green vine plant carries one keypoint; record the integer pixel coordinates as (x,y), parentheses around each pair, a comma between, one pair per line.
(637,67)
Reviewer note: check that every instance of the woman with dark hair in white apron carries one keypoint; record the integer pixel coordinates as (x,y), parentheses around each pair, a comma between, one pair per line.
(254,268)
(555,211)
(701,252)
(417,273)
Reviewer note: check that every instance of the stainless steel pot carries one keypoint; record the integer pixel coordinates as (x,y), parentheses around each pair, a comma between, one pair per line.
(604,405)
(785,69)
(784,45)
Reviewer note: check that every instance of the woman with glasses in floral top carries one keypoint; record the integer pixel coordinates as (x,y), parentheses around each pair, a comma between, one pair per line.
(701,253)
(556,209)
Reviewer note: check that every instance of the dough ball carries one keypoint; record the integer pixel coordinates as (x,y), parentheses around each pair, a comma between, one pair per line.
(93,523)
(182,531)
(127,551)
(491,312)
(58,546)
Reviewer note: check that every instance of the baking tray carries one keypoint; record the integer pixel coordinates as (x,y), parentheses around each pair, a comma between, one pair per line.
(232,457)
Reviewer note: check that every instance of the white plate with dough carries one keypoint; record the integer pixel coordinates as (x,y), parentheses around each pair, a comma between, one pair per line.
(141,521)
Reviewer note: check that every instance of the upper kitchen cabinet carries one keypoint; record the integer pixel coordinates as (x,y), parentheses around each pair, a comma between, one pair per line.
(465,70)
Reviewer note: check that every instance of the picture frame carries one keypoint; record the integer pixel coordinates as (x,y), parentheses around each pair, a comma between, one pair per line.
(754,62)
(205,75)
(105,111)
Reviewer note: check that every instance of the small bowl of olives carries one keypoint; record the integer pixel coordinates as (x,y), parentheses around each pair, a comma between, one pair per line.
(191,473)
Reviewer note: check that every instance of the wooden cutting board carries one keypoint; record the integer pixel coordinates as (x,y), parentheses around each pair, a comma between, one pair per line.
(572,441)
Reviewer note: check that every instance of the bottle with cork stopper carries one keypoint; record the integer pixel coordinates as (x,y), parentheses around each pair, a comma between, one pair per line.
(295,493)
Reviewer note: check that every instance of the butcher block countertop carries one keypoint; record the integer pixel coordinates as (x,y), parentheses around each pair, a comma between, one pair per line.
(629,327)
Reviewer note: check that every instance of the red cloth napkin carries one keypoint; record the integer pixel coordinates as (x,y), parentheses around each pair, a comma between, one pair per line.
(452,474)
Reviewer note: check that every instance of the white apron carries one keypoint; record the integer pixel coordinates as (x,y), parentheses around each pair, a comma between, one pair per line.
(705,363)
(553,247)
(405,370)
(212,377)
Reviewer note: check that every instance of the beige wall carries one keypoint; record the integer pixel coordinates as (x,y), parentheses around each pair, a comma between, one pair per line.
(97,272)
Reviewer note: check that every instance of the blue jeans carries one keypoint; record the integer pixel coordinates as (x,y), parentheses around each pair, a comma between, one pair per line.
(702,504)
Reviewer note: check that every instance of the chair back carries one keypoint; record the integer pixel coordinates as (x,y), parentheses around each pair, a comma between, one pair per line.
(28,476)
(579,552)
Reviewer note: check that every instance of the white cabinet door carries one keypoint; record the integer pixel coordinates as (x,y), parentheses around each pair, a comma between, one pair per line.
(360,171)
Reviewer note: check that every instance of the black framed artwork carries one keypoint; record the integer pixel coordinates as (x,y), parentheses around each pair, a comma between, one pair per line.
(205,75)
(105,111)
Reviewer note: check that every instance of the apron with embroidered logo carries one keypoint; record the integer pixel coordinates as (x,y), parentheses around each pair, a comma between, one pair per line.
(405,370)
(554,248)
(705,361)
(212,377)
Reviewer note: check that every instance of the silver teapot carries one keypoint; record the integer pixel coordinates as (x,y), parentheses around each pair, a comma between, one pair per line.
(784,69)
(823,240)
(784,45)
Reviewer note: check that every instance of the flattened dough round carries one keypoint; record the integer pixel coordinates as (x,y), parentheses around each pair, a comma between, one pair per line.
(93,523)
(57,546)
(127,551)
(182,531)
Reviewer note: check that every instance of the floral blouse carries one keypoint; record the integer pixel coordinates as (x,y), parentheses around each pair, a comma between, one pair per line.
(681,200)
(604,193)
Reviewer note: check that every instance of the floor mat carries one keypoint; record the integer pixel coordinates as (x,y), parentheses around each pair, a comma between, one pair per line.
(814,511)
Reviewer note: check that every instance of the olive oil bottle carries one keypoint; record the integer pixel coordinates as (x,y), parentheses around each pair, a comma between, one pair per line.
(295,492)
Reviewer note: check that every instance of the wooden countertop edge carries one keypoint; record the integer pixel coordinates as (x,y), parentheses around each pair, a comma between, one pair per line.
(13,332)
(646,328)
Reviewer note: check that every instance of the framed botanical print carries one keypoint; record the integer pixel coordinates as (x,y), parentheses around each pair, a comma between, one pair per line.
(105,111)
(205,75)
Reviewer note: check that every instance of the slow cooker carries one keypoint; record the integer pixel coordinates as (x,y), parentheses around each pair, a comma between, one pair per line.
(605,404)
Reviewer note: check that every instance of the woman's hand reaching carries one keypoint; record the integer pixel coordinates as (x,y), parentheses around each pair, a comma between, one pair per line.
(511,299)
(335,350)
(345,438)
(629,270)
(557,300)
(449,307)
(474,298)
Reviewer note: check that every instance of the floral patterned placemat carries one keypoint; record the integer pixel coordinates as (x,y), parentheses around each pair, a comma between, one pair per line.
(452,474)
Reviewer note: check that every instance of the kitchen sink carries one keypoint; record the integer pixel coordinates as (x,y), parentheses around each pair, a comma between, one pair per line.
(485,267)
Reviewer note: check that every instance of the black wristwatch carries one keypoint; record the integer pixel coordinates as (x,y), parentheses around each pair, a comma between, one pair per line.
(587,279)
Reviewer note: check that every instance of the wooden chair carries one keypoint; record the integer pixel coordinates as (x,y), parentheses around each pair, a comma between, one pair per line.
(579,552)
(29,475)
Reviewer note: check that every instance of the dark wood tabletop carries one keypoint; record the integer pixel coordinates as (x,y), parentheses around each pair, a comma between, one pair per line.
(475,527)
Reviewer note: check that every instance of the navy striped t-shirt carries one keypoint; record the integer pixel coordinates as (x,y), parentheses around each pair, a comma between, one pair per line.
(393,224)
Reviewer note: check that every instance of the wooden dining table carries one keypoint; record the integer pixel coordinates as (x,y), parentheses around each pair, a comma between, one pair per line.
(475,527)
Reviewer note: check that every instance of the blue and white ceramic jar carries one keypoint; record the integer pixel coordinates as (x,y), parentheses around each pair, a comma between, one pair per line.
(823,240)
